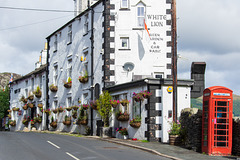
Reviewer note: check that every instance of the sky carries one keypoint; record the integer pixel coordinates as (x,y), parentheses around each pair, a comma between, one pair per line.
(208,31)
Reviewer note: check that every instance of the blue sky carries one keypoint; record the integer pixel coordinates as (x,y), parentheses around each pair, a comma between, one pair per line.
(207,31)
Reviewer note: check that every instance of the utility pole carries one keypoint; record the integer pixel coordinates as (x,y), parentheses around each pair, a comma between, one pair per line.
(174,59)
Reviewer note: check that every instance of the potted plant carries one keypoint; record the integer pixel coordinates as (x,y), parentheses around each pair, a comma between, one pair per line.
(67,121)
(40,105)
(85,106)
(137,97)
(53,88)
(146,94)
(53,123)
(37,92)
(55,111)
(114,103)
(83,79)
(60,109)
(75,107)
(25,121)
(124,102)
(123,132)
(74,114)
(93,104)
(122,116)
(30,105)
(23,99)
(30,96)
(83,117)
(68,108)
(38,119)
(12,122)
(68,84)
(135,122)
(47,111)
(25,107)
(174,133)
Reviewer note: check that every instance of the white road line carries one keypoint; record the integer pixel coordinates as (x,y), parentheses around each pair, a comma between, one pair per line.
(72,156)
(53,144)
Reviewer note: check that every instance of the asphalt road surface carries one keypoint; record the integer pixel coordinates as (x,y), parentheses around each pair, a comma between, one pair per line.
(44,146)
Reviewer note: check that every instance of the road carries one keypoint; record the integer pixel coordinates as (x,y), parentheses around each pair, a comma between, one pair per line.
(44,146)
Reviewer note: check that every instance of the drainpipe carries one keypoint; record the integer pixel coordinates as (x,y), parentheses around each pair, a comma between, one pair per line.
(92,59)
(47,80)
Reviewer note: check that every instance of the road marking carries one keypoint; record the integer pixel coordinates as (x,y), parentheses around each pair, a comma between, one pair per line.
(72,156)
(53,144)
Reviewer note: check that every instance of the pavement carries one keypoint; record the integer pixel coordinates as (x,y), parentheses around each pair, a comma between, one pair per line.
(165,150)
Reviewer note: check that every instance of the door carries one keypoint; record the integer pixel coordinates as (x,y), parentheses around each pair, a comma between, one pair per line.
(220,124)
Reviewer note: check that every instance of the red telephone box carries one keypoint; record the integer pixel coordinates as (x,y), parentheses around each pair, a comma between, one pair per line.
(217,121)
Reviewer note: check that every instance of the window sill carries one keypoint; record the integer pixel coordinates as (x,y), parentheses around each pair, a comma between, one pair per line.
(122,49)
(69,43)
(138,28)
(85,34)
(124,9)
(54,51)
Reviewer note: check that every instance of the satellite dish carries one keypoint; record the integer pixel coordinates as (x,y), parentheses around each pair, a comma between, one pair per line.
(128,66)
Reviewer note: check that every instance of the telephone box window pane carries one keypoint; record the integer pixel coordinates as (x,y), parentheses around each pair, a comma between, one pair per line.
(222,109)
(221,103)
(205,143)
(205,138)
(221,144)
(221,132)
(221,138)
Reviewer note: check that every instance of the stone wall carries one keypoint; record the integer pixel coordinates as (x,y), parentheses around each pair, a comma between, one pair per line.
(236,137)
(191,121)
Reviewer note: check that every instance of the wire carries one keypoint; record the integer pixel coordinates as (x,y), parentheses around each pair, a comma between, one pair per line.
(33,23)
(34,9)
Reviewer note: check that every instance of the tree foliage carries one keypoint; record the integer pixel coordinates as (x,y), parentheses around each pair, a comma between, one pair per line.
(104,107)
(4,102)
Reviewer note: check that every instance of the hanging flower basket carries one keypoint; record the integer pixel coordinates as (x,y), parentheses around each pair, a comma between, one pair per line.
(138,96)
(25,107)
(12,123)
(9,116)
(84,122)
(23,99)
(15,109)
(25,122)
(68,85)
(122,116)
(55,111)
(47,111)
(40,105)
(68,108)
(53,124)
(9,110)
(74,114)
(135,124)
(85,106)
(32,122)
(114,103)
(93,104)
(83,79)
(38,95)
(30,105)
(75,108)
(146,94)
(60,110)
(31,97)
(124,102)
(53,88)
(67,123)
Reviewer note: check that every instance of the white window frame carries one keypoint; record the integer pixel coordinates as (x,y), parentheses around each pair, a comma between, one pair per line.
(55,74)
(69,68)
(55,42)
(85,98)
(69,34)
(55,103)
(86,23)
(124,4)
(69,101)
(124,42)
(40,82)
(140,14)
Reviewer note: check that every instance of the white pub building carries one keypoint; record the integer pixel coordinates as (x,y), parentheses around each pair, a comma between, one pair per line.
(123,46)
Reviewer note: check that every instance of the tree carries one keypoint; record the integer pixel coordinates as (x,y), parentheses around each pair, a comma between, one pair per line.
(4,102)
(104,107)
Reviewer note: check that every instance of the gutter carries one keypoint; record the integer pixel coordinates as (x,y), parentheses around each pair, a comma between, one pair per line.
(47,80)
(92,59)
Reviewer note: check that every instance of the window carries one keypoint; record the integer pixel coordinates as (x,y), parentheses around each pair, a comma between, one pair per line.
(55,74)
(69,34)
(136,109)
(32,84)
(86,24)
(55,42)
(124,3)
(55,104)
(69,101)
(26,82)
(40,81)
(124,42)
(26,92)
(85,98)
(140,15)
(69,68)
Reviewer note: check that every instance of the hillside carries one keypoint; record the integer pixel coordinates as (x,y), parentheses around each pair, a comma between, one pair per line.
(197,103)
(5,77)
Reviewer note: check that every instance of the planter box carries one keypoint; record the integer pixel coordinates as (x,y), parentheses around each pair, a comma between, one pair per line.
(175,140)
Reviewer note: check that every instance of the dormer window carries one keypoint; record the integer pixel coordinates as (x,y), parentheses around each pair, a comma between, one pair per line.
(124,4)
(140,14)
